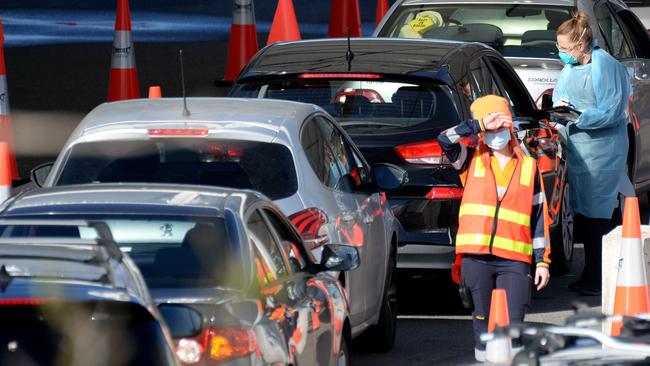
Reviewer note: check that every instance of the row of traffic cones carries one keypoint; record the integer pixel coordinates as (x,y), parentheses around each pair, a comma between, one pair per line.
(631,296)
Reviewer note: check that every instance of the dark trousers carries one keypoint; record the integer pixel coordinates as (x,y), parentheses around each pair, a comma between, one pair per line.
(592,232)
(483,273)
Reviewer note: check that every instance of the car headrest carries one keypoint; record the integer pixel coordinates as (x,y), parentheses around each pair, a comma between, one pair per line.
(538,35)
(414,101)
(556,18)
(356,105)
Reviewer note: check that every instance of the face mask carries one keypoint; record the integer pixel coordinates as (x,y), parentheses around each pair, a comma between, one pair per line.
(567,58)
(497,140)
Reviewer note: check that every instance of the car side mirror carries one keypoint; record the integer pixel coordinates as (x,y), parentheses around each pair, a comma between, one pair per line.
(39,174)
(547,101)
(182,321)
(337,257)
(389,177)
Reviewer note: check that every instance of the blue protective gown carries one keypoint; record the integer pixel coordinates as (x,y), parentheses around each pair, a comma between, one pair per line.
(597,142)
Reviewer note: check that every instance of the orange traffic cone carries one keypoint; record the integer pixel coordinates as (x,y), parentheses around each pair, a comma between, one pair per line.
(345,16)
(631,296)
(6,127)
(499,348)
(243,38)
(154,92)
(382,8)
(285,24)
(123,81)
(5,172)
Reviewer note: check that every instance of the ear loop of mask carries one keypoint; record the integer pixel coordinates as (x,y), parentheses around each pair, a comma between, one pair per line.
(580,39)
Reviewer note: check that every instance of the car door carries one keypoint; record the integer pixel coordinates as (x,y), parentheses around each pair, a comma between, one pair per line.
(325,325)
(284,292)
(626,39)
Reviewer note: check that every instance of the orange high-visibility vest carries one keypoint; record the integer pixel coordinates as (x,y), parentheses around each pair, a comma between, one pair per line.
(489,226)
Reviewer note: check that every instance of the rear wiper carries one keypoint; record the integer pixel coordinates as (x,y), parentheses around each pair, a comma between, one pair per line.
(368,124)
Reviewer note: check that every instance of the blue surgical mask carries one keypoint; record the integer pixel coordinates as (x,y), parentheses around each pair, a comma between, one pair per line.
(567,58)
(497,139)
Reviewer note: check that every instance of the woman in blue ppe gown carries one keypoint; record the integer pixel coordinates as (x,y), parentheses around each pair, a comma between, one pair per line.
(596,84)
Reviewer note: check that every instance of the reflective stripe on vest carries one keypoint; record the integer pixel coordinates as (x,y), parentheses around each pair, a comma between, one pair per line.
(509,234)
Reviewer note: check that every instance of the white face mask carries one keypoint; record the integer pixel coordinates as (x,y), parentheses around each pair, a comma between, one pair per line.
(497,140)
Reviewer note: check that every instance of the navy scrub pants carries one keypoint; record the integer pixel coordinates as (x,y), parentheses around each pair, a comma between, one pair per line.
(483,273)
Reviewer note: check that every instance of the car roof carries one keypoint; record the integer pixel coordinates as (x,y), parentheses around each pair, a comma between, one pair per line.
(136,198)
(398,56)
(65,289)
(527,2)
(202,110)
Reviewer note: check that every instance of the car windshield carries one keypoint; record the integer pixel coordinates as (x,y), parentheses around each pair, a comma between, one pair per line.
(365,104)
(515,30)
(170,251)
(265,167)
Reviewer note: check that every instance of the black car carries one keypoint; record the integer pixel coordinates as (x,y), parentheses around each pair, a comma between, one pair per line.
(71,301)
(230,274)
(393,97)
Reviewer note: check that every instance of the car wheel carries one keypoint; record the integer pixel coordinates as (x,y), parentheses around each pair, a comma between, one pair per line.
(381,336)
(562,237)
(344,354)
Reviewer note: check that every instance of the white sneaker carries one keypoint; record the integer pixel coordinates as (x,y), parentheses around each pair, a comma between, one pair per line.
(516,350)
(479,355)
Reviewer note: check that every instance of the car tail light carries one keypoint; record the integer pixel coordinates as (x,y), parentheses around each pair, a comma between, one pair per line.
(177,131)
(445,193)
(342,75)
(17,301)
(312,224)
(372,95)
(424,153)
(217,345)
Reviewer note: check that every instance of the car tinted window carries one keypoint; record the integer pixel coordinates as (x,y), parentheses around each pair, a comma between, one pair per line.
(315,142)
(265,167)
(481,80)
(84,333)
(288,241)
(267,247)
(611,30)
(513,29)
(374,105)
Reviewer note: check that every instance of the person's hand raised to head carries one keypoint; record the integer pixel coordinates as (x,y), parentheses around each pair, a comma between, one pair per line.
(497,120)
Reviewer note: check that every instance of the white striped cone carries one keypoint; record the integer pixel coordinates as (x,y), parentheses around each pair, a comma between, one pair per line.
(6,126)
(631,296)
(243,38)
(123,81)
(5,172)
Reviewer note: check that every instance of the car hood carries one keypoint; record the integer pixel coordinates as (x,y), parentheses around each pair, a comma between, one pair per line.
(212,296)
(538,74)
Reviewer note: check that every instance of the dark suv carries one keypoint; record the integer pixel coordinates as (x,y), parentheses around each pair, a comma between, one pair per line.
(393,97)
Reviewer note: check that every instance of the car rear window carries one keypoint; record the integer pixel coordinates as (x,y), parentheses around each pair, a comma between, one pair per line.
(366,104)
(170,251)
(517,30)
(265,167)
(81,333)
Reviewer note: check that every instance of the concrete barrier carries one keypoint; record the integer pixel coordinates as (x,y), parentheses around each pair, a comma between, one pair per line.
(611,254)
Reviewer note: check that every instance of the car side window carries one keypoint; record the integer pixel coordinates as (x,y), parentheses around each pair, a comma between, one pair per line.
(481,80)
(315,141)
(611,30)
(288,241)
(513,90)
(272,261)
(349,173)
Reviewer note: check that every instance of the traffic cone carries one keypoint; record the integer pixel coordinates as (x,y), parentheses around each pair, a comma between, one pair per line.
(345,16)
(631,295)
(5,172)
(123,81)
(6,127)
(243,38)
(382,8)
(285,24)
(499,348)
(155,92)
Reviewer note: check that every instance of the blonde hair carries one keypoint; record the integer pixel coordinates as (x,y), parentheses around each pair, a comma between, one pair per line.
(577,26)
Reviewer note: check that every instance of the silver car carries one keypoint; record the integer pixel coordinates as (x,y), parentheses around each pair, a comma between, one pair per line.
(294,153)
(525,33)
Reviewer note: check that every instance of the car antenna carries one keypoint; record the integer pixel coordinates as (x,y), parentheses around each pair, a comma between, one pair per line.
(186,112)
(349,55)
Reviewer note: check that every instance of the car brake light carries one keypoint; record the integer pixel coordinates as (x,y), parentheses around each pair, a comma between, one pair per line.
(339,76)
(217,345)
(312,224)
(424,153)
(16,301)
(177,131)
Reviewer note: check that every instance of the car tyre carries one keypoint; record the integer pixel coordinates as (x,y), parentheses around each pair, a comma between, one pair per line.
(381,336)
(562,237)
(344,353)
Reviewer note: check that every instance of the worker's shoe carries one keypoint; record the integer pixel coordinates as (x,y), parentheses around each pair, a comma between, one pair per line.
(590,290)
(479,354)
(575,285)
